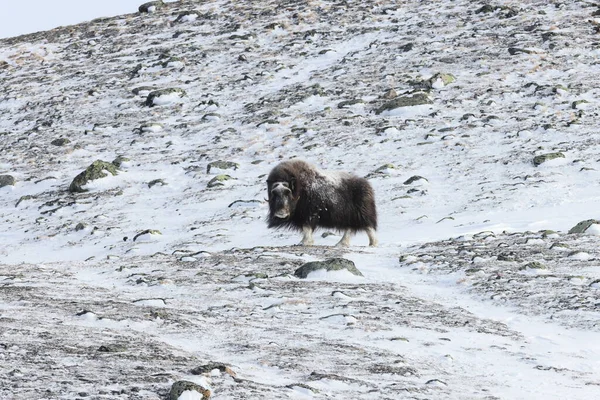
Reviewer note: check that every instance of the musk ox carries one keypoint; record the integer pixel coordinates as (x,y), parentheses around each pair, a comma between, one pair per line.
(302,197)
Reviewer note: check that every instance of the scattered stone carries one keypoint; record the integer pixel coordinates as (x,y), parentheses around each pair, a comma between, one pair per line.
(533,265)
(179,387)
(393,370)
(112,348)
(79,227)
(164,96)
(173,62)
(415,179)
(60,142)
(440,80)
(579,104)
(208,368)
(407,47)
(143,90)
(187,16)
(583,226)
(244,203)
(390,94)
(514,51)
(152,127)
(118,162)
(503,11)
(218,180)
(7,180)
(151,6)
(154,182)
(537,160)
(95,171)
(348,103)
(23,198)
(147,232)
(384,170)
(332,264)
(405,101)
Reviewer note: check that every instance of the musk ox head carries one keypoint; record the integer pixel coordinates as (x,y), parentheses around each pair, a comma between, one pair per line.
(282,199)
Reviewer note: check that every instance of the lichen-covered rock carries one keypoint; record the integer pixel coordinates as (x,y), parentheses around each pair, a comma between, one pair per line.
(416,99)
(440,80)
(117,162)
(155,182)
(332,264)
(222,165)
(152,127)
(150,6)
(173,62)
(164,96)
(415,179)
(187,16)
(208,368)
(183,386)
(60,142)
(533,265)
(7,180)
(578,104)
(349,103)
(95,171)
(503,11)
(147,232)
(537,160)
(218,180)
(583,226)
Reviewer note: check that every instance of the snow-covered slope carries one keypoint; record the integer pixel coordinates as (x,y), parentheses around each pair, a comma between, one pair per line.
(472,121)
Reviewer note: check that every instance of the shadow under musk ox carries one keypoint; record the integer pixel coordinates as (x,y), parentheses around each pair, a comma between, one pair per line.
(304,198)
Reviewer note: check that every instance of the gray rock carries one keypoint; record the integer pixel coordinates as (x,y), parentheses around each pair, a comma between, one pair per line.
(7,180)
(60,142)
(444,77)
(577,104)
(218,180)
(182,16)
(414,179)
(154,182)
(147,231)
(533,265)
(167,63)
(181,386)
(120,160)
(222,165)
(154,95)
(150,6)
(515,50)
(583,226)
(405,101)
(94,171)
(348,103)
(537,160)
(207,368)
(332,264)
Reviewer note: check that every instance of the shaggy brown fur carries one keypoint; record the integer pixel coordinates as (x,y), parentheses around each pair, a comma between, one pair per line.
(302,197)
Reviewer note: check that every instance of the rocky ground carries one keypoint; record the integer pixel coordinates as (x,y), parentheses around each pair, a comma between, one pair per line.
(133,248)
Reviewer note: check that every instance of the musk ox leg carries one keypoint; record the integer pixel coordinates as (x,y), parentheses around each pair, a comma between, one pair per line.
(345,240)
(372,238)
(307,238)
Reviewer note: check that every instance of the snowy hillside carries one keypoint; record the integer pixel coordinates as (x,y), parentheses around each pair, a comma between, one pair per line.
(134,251)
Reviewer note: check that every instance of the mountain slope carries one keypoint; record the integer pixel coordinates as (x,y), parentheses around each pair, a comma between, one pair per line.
(466,117)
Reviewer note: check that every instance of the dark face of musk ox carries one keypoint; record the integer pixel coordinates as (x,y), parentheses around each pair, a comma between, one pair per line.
(281,200)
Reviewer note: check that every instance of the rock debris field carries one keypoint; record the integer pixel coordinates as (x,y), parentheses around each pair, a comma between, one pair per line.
(135,261)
